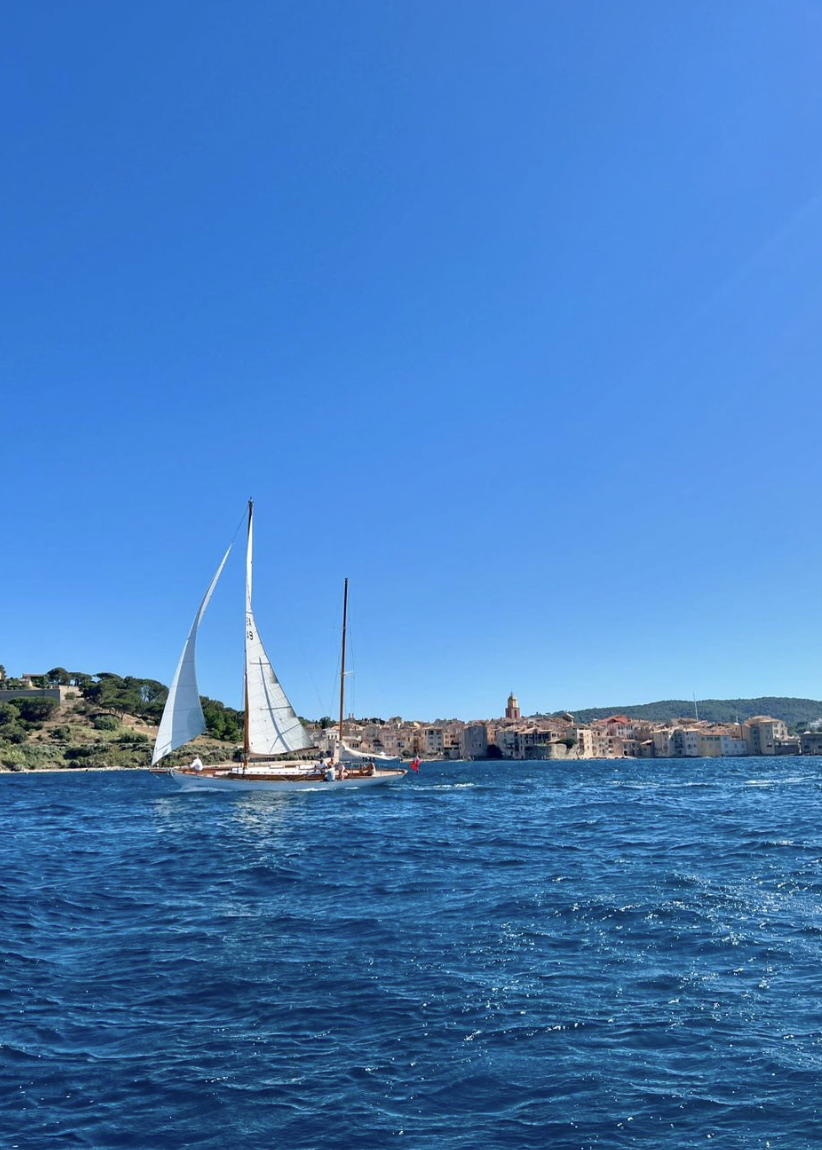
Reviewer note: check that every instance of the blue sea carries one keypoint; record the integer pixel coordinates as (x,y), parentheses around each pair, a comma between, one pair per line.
(515,955)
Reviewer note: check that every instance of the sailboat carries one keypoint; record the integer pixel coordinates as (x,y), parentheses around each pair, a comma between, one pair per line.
(272,729)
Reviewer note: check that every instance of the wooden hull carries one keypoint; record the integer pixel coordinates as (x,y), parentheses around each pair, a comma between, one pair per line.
(226,781)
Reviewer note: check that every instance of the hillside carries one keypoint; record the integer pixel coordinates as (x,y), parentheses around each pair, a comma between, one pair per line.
(113,724)
(794,712)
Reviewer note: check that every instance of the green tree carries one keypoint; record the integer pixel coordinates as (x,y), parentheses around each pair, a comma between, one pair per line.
(153,695)
(8,715)
(150,689)
(221,722)
(35,711)
(115,694)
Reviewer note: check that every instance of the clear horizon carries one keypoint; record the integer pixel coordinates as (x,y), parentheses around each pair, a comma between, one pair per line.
(509,314)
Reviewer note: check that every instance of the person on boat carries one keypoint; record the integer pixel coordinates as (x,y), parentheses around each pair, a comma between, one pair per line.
(330,774)
(370,769)
(197,765)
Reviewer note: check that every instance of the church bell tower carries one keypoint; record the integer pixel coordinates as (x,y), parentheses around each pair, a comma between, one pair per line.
(512,710)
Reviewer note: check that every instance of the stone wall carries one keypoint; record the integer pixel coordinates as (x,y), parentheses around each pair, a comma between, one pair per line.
(58,693)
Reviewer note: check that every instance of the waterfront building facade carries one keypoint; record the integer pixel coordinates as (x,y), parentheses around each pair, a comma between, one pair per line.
(762,733)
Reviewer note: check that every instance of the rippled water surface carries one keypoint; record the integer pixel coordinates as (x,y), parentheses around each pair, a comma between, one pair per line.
(518,955)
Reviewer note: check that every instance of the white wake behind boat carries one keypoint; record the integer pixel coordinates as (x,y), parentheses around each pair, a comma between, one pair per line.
(272,729)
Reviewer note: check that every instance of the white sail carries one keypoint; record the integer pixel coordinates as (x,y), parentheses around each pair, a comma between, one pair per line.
(273,726)
(183,716)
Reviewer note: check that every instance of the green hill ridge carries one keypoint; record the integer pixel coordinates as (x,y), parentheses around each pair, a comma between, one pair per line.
(794,712)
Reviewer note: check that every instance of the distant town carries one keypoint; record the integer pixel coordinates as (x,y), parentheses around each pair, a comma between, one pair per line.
(560,737)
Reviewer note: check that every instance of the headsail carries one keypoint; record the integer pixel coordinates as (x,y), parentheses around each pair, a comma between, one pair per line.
(183,716)
(273,726)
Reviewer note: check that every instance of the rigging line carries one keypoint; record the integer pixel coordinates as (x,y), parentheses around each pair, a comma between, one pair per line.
(243,518)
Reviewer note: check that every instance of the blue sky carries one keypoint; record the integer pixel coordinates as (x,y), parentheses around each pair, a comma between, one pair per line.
(508,312)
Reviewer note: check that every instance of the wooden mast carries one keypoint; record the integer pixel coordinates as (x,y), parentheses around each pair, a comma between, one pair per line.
(342,669)
(246,744)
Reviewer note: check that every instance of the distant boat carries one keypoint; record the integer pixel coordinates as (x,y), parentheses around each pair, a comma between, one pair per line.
(350,755)
(272,729)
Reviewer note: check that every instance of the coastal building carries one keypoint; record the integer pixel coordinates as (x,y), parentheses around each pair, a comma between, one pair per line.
(507,743)
(397,739)
(543,740)
(720,744)
(614,738)
(474,741)
(662,742)
(593,742)
(702,741)
(761,734)
(584,747)
(432,742)
(811,743)
(732,742)
(515,743)
(619,727)
(452,740)
(643,731)
(685,743)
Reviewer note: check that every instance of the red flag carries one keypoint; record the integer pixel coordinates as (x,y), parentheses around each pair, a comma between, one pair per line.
(415,764)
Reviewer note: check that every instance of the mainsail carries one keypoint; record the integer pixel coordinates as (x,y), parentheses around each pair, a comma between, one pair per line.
(183,716)
(273,726)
